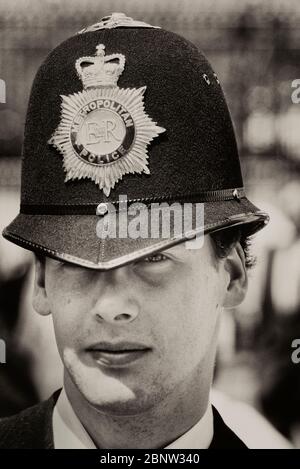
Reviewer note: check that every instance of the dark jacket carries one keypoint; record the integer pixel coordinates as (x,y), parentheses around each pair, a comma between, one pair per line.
(32,429)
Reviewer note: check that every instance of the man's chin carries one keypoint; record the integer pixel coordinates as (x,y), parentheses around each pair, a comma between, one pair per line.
(121,408)
(112,394)
(119,404)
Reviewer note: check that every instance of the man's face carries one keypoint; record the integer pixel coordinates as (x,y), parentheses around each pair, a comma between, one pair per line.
(166,305)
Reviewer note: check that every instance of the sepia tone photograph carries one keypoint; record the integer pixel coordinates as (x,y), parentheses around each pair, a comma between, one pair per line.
(150,220)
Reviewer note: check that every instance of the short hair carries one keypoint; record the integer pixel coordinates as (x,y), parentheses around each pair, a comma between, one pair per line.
(224,241)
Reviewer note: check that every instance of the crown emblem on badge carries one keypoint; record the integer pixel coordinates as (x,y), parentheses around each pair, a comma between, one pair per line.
(104,130)
(100,70)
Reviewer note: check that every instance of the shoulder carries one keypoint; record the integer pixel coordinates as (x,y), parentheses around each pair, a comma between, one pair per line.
(247,424)
(224,437)
(30,429)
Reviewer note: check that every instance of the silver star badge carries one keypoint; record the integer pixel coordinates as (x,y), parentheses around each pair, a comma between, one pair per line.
(104,130)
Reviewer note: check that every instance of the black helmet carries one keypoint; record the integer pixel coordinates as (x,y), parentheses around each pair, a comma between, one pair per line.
(125,109)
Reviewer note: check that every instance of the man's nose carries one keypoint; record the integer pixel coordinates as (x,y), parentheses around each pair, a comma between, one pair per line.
(115,304)
(116,311)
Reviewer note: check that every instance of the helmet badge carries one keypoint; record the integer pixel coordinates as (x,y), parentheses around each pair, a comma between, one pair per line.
(104,130)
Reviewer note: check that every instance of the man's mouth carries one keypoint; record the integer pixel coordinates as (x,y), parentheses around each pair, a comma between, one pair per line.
(117,354)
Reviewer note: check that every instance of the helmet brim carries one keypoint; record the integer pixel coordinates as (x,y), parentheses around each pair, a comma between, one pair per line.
(74,239)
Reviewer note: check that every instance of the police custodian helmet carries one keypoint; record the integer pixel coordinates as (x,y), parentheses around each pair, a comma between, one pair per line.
(124,108)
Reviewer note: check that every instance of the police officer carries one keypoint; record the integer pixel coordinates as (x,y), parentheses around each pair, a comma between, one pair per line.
(124,113)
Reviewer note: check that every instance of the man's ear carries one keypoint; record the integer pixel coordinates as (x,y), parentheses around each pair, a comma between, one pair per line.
(40,301)
(236,278)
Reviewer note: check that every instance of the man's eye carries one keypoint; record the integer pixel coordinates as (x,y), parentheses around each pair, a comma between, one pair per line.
(155,258)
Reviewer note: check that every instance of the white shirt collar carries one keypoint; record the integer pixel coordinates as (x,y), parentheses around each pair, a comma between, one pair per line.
(69,433)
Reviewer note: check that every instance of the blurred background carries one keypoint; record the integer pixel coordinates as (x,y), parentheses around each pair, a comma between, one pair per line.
(254,49)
